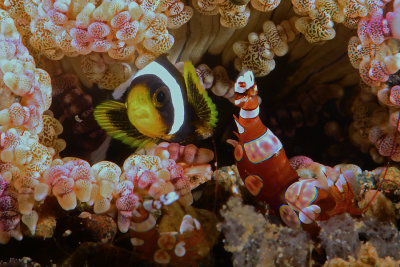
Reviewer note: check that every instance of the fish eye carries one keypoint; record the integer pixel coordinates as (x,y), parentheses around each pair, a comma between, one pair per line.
(160,96)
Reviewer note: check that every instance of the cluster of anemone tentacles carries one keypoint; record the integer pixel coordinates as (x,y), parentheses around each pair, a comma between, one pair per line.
(32,171)
(317,26)
(118,28)
(119,31)
(375,53)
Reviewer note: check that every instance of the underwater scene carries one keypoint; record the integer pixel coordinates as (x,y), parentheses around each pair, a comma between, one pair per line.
(200,133)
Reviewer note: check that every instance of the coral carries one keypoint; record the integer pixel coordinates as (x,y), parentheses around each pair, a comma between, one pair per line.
(216,79)
(257,54)
(67,182)
(30,164)
(101,228)
(189,154)
(222,85)
(366,257)
(232,15)
(366,112)
(390,182)
(23,262)
(44,227)
(339,237)
(20,147)
(246,222)
(299,162)
(193,161)
(374,203)
(75,108)
(119,29)
(21,79)
(147,200)
(194,233)
(375,58)
(103,70)
(28,159)
(163,176)
(375,27)
(317,28)
(10,216)
(374,52)
(374,126)
(229,178)
(383,236)
(265,6)
(254,241)
(52,128)
(317,25)
(147,183)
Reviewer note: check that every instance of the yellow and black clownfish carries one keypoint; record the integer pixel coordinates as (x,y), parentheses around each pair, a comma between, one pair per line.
(160,103)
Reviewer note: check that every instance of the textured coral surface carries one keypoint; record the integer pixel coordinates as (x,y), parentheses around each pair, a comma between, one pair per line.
(329,83)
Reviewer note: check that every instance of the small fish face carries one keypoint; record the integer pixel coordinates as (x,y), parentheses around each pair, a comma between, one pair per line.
(144,101)
(167,95)
(143,113)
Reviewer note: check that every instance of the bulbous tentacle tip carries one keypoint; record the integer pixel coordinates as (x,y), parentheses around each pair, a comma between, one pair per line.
(396,24)
(232,142)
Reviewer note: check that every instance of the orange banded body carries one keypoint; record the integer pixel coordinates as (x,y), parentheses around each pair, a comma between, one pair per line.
(268,175)
(262,162)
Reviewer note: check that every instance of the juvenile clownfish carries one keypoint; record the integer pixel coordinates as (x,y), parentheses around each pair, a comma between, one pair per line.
(159,103)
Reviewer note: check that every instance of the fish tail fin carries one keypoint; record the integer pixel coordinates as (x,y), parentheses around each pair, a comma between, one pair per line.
(113,118)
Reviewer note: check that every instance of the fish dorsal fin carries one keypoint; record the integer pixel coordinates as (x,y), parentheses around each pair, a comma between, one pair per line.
(113,118)
(122,88)
(198,98)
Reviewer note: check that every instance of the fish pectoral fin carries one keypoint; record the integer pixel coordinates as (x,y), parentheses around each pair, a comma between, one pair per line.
(198,98)
(113,118)
(203,129)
